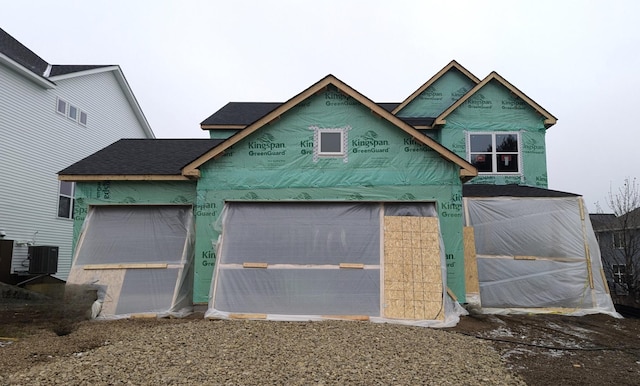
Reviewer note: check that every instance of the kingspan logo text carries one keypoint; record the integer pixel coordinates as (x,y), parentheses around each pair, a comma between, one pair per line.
(266,145)
(369,139)
(368,142)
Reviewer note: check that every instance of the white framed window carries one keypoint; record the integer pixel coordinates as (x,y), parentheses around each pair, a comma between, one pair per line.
(73,113)
(70,111)
(618,240)
(619,273)
(61,106)
(83,118)
(495,153)
(66,199)
(331,142)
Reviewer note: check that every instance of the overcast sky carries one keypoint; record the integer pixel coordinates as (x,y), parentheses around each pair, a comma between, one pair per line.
(186,59)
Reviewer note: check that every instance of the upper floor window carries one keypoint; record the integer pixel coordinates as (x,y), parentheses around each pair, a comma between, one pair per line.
(83,118)
(618,240)
(73,113)
(66,194)
(497,153)
(619,273)
(70,111)
(61,106)
(330,142)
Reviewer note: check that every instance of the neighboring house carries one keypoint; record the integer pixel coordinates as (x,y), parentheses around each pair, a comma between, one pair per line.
(312,187)
(619,241)
(50,117)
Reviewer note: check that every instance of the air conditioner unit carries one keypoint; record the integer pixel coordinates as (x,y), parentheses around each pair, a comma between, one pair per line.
(43,259)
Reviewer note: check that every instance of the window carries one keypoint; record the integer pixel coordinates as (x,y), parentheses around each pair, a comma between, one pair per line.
(495,152)
(619,273)
(66,199)
(330,142)
(61,107)
(70,111)
(83,118)
(73,112)
(618,240)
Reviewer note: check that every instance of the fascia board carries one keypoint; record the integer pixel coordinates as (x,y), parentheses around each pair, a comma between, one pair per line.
(121,177)
(549,118)
(128,93)
(35,78)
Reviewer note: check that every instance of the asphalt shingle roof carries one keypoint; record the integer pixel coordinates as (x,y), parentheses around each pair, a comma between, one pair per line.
(60,69)
(245,113)
(20,54)
(481,190)
(240,113)
(602,220)
(142,157)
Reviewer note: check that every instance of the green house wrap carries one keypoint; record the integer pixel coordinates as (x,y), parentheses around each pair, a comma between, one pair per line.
(330,150)
(379,159)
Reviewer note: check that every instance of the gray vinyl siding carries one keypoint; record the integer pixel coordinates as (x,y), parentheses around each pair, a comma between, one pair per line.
(37,142)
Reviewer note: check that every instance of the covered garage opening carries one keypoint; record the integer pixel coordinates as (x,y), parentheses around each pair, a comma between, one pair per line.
(319,260)
(138,258)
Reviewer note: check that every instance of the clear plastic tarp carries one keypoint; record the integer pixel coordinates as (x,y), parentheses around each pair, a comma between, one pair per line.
(138,259)
(537,255)
(310,261)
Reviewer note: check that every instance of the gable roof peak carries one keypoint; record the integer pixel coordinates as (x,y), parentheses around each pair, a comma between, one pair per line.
(466,169)
(549,119)
(453,65)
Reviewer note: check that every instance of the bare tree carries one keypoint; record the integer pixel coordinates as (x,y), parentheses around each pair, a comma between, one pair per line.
(622,256)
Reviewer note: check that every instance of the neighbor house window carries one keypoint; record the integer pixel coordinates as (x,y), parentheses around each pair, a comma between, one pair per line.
(618,240)
(495,152)
(61,107)
(70,111)
(619,273)
(83,118)
(73,112)
(66,199)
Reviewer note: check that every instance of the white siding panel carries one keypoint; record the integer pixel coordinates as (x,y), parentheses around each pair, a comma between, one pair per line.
(36,143)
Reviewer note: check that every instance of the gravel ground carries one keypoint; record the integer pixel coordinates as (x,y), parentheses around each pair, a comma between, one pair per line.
(198,351)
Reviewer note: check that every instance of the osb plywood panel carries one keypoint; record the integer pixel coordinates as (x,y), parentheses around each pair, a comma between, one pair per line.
(110,278)
(470,263)
(412,277)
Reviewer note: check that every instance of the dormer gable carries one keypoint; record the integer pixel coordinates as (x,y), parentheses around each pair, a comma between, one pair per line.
(438,93)
(517,98)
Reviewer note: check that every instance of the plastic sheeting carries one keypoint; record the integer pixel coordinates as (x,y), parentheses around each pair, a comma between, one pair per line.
(537,255)
(279,162)
(138,258)
(301,247)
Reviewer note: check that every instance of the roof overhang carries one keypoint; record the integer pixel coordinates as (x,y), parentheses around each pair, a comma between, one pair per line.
(222,127)
(122,81)
(35,78)
(122,177)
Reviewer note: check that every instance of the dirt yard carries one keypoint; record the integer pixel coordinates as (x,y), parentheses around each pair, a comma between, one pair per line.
(539,349)
(562,350)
